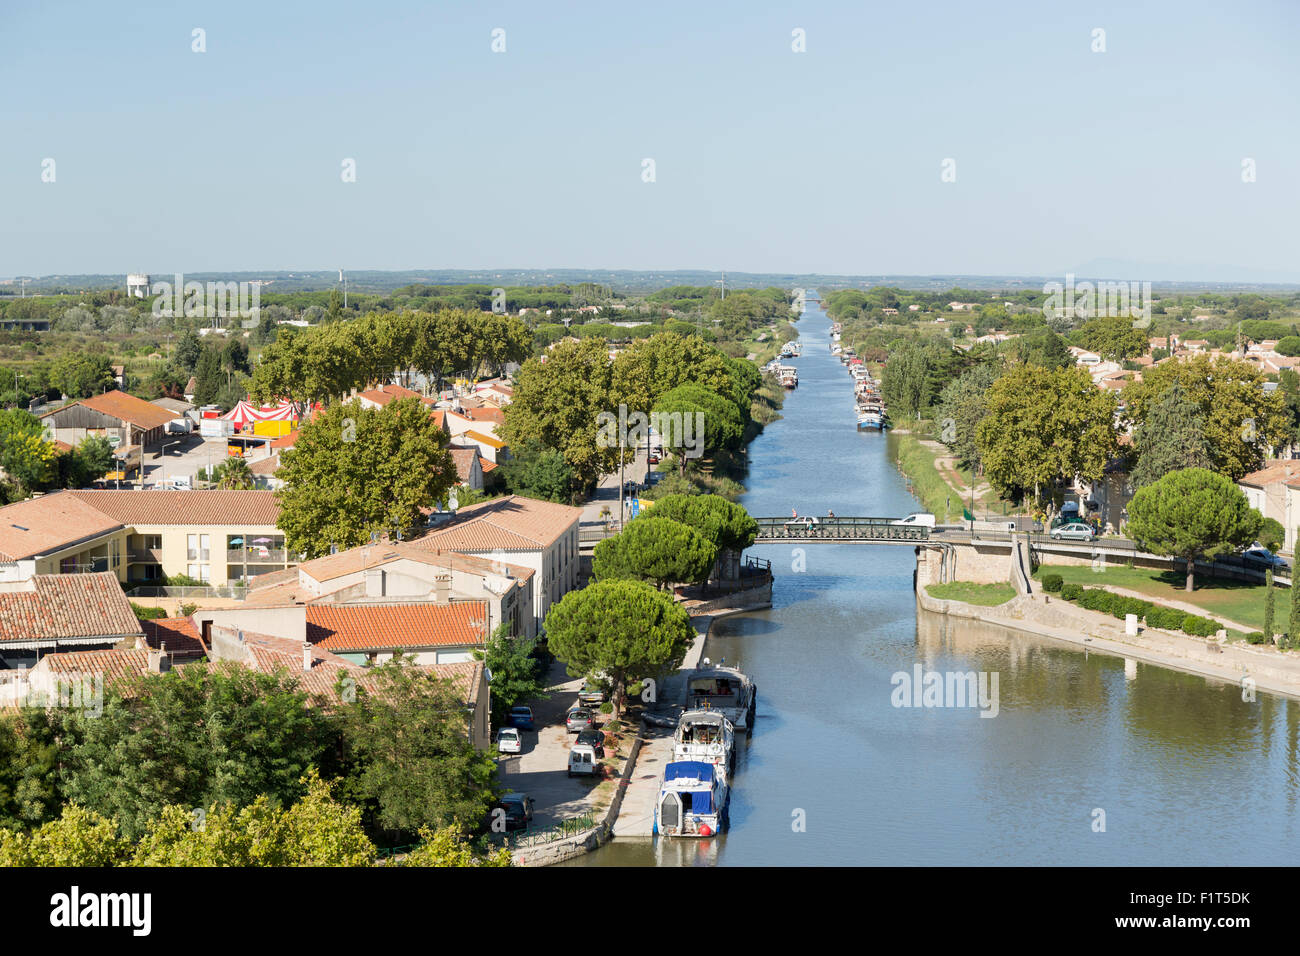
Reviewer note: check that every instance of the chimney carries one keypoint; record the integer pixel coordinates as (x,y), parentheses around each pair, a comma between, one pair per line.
(306,655)
(442,589)
(159,662)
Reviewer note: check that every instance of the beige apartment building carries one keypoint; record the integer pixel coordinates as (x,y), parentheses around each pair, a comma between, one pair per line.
(217,537)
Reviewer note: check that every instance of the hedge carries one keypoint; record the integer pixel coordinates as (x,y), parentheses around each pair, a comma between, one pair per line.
(1200,626)
(1053,583)
(1169,618)
(1072,591)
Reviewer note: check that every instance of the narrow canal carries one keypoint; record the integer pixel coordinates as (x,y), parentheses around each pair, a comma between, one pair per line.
(1184,771)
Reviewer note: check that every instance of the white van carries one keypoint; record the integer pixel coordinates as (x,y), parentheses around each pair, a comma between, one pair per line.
(919,519)
(582,760)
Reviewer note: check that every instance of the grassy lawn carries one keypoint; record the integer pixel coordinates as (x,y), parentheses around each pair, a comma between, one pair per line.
(985,595)
(1238,601)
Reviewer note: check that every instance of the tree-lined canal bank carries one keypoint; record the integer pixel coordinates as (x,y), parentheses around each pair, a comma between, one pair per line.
(1179,769)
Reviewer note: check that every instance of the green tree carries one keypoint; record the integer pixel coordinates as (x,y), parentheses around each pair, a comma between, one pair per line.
(963,403)
(29,767)
(1113,338)
(1242,421)
(1289,345)
(209,379)
(234,474)
(355,471)
(316,830)
(196,737)
(188,349)
(1044,426)
(724,524)
(534,471)
(649,368)
(85,463)
(516,675)
(1190,514)
(81,375)
(1293,627)
(1269,630)
(682,411)
(415,763)
(905,382)
(1041,347)
(25,455)
(624,629)
(448,847)
(655,549)
(1171,437)
(557,403)
(79,837)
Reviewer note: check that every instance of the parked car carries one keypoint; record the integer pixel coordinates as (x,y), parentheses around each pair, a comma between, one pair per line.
(595,739)
(591,694)
(580,719)
(918,520)
(582,760)
(518,809)
(1259,554)
(521,717)
(1074,531)
(654,458)
(510,740)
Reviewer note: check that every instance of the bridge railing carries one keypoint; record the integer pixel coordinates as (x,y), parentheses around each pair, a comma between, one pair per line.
(840,529)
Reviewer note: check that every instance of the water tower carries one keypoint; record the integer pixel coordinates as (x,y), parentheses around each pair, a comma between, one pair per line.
(137,284)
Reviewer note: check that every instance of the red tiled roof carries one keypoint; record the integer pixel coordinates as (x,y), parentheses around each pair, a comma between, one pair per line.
(513,523)
(1272,472)
(286,441)
(207,507)
(357,627)
(180,634)
(485,414)
(464,458)
(49,523)
(388,393)
(265,466)
(126,407)
(114,664)
(67,606)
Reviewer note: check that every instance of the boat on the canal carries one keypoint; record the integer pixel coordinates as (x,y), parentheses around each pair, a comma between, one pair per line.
(789,376)
(725,690)
(708,736)
(693,800)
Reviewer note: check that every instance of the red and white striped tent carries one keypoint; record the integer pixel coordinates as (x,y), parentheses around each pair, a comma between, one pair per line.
(244,413)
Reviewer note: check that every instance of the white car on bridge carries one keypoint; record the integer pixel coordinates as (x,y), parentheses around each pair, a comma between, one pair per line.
(919,519)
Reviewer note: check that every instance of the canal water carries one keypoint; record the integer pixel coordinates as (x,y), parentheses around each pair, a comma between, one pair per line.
(1177,769)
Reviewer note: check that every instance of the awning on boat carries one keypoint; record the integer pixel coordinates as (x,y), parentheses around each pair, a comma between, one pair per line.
(689,770)
(701,801)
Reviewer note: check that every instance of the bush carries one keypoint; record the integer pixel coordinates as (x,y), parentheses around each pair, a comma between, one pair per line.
(148,613)
(1255,637)
(1165,617)
(1053,583)
(1200,626)
(607,707)
(1097,599)
(1072,591)
(1124,606)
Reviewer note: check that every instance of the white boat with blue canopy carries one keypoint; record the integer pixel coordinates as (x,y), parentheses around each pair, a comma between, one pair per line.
(693,800)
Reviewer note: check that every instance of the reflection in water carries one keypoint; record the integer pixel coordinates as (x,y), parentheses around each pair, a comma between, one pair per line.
(1185,770)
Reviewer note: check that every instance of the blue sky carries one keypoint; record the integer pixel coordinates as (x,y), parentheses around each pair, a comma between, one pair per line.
(825,161)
